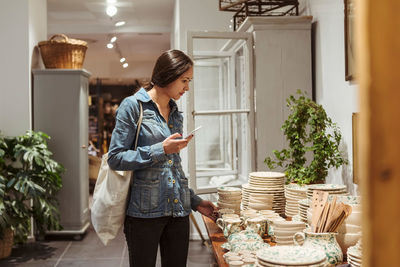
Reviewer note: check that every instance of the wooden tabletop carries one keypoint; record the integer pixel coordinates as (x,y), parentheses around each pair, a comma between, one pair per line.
(217,239)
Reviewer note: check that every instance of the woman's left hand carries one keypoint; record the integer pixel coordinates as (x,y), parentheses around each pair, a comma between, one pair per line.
(208,209)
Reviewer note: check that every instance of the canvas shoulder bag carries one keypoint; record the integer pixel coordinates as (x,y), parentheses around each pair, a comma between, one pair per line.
(110,196)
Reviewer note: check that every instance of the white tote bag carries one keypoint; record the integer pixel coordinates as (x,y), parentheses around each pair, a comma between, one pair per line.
(110,196)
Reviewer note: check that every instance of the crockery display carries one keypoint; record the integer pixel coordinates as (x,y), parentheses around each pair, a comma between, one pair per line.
(229,198)
(354,255)
(294,193)
(265,186)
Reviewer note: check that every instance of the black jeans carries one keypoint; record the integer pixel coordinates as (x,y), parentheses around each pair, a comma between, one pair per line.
(144,234)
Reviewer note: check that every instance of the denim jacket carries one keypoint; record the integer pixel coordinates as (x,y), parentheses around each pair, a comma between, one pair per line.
(159,187)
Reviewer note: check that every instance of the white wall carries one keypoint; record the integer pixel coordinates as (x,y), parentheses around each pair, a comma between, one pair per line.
(22,25)
(337,96)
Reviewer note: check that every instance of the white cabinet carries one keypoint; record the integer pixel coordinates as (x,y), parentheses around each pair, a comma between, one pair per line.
(60,109)
(282,65)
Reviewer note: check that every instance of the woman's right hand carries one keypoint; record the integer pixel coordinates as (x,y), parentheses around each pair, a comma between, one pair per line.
(173,145)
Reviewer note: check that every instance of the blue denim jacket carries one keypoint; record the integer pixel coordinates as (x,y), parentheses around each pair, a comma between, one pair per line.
(159,187)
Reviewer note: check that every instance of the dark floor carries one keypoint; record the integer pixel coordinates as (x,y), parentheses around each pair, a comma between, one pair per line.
(91,252)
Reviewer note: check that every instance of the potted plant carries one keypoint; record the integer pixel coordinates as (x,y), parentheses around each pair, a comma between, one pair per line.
(308,130)
(29,181)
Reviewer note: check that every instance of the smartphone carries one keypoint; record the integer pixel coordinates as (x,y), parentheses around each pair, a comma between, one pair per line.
(192,132)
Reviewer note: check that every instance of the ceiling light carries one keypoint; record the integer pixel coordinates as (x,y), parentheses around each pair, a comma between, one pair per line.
(125,65)
(113,39)
(111,1)
(120,23)
(110,45)
(122,59)
(111,10)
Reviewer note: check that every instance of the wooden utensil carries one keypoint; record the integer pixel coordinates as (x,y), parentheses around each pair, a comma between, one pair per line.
(318,202)
(322,219)
(330,215)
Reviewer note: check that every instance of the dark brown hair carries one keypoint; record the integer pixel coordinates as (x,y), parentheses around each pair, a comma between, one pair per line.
(169,67)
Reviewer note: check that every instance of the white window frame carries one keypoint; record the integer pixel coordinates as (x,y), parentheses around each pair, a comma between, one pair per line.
(228,50)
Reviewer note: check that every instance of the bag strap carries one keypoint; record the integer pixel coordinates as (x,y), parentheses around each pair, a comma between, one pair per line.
(139,123)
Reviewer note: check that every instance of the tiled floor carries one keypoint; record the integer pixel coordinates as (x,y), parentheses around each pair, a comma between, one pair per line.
(91,252)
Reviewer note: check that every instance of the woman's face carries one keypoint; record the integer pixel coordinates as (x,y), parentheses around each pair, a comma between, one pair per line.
(177,88)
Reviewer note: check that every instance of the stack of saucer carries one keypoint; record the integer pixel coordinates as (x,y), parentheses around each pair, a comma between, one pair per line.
(332,189)
(354,254)
(229,198)
(304,204)
(265,183)
(291,256)
(285,230)
(294,193)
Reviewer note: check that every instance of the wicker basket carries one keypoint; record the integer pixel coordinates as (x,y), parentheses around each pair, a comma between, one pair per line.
(6,243)
(60,52)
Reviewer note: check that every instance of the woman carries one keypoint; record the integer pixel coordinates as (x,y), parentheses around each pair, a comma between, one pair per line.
(160,201)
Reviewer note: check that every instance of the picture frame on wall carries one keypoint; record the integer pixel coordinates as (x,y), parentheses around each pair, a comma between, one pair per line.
(349,39)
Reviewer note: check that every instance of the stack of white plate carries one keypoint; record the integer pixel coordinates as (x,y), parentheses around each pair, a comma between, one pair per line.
(332,189)
(260,202)
(266,183)
(294,193)
(229,198)
(354,255)
(291,256)
(285,230)
(304,204)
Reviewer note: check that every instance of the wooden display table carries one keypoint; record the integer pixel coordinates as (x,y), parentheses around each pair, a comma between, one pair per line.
(217,239)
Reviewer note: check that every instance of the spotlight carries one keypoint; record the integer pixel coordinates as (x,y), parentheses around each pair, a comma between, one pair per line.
(122,59)
(125,65)
(111,1)
(111,10)
(120,23)
(110,45)
(113,39)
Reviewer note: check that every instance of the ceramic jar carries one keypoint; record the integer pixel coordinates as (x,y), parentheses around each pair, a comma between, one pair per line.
(230,225)
(326,241)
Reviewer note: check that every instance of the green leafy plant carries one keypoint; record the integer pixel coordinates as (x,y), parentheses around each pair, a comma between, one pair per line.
(29,181)
(309,130)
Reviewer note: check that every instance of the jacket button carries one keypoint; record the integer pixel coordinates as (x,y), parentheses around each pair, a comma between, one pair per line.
(170,161)
(175,201)
(170,126)
(173,181)
(168,200)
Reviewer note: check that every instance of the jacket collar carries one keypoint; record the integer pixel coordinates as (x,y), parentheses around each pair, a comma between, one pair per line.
(144,97)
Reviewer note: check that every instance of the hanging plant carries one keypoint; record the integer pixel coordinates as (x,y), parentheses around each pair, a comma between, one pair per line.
(308,130)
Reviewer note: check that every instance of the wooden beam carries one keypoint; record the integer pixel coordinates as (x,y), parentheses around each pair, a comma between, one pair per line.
(378,65)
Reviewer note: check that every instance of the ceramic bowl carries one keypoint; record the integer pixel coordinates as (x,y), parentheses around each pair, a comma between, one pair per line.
(236,263)
(347,228)
(354,218)
(347,240)
(225,211)
(289,224)
(230,253)
(229,215)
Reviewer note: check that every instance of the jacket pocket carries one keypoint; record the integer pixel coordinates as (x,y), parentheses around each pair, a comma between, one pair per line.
(185,194)
(146,195)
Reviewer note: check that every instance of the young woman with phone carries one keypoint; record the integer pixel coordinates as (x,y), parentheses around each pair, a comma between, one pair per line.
(160,201)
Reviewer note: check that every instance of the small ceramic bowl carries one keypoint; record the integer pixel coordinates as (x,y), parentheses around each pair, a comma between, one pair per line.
(230,253)
(236,263)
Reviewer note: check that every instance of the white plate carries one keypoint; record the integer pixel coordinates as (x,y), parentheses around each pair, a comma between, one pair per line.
(267,174)
(291,255)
